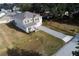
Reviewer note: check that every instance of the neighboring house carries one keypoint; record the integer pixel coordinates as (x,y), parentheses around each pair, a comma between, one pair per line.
(16,8)
(6,11)
(4,18)
(66,13)
(2,14)
(27,21)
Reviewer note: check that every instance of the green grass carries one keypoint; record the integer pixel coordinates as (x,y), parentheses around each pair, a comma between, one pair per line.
(38,41)
(53,43)
(60,29)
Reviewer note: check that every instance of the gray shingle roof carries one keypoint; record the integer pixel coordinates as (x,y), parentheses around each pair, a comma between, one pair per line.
(22,16)
(19,16)
(30,15)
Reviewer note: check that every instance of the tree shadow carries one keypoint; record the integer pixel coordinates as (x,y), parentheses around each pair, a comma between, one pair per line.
(21,52)
(67,20)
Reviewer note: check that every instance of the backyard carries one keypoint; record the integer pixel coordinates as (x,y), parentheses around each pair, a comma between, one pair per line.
(41,42)
(61,27)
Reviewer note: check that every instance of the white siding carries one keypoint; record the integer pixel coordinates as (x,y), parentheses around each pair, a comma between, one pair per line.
(39,23)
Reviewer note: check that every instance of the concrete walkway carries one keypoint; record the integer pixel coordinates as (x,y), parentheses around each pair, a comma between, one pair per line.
(57,34)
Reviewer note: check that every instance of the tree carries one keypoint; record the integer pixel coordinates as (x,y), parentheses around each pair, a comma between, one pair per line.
(24,7)
(56,10)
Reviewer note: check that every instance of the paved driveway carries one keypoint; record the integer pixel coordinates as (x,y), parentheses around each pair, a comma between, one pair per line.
(67,49)
(57,34)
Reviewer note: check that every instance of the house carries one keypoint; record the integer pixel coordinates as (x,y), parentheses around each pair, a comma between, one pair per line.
(27,21)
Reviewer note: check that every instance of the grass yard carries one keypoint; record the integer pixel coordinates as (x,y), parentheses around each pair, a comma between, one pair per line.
(64,28)
(39,41)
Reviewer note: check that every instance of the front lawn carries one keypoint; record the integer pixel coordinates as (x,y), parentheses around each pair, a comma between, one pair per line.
(39,41)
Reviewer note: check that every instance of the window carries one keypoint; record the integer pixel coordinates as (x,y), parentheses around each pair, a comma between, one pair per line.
(28,21)
(31,20)
(25,22)
(37,19)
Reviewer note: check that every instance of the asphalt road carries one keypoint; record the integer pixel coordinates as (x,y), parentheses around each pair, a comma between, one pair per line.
(67,49)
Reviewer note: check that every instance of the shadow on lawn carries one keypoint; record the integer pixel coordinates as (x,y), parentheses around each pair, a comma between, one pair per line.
(21,52)
(11,25)
(67,21)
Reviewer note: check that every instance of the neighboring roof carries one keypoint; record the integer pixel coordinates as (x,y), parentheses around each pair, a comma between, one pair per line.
(2,14)
(11,14)
(4,18)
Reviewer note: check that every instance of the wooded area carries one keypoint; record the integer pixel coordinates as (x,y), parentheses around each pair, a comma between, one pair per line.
(60,12)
